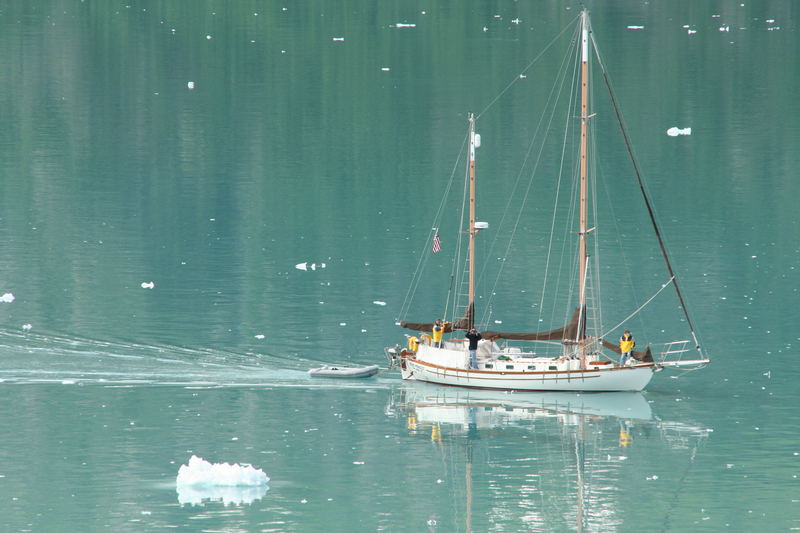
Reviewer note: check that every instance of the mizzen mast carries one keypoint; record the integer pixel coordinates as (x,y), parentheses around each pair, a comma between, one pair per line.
(474,142)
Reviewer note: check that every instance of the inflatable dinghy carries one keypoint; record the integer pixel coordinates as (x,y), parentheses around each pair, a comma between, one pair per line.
(344,371)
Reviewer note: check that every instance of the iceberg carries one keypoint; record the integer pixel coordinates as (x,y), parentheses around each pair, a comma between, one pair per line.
(675,131)
(201,481)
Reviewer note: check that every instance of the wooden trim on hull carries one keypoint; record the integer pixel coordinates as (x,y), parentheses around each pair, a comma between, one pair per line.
(616,379)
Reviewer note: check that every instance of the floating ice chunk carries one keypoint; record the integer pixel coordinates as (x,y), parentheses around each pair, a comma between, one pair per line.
(635,27)
(27,327)
(7,298)
(301,266)
(148,284)
(378,302)
(201,473)
(675,131)
(190,85)
(404,25)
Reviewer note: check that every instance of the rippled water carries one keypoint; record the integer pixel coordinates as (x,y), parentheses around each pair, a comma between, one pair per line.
(323,134)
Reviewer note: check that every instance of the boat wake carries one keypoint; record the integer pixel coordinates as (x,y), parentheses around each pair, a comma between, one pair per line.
(52,358)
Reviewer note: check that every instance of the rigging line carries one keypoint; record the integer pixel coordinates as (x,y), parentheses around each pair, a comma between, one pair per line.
(458,274)
(610,203)
(517,77)
(562,160)
(558,83)
(416,277)
(664,286)
(645,195)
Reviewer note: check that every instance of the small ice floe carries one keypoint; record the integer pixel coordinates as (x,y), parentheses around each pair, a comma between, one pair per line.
(379,302)
(674,131)
(635,27)
(148,284)
(27,327)
(201,481)
(259,336)
(7,298)
(190,85)
(404,25)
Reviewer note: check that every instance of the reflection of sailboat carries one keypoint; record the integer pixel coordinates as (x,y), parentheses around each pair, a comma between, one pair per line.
(552,462)
(568,358)
(447,404)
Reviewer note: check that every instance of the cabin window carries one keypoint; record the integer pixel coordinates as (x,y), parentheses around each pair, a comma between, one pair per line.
(509,367)
(531,367)
(553,367)
(488,365)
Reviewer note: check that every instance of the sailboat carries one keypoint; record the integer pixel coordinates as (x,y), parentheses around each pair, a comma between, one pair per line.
(579,356)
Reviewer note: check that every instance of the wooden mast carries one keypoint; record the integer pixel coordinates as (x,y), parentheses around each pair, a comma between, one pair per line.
(583,184)
(472,231)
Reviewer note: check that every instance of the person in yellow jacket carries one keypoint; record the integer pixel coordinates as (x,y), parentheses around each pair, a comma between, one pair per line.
(626,344)
(438,332)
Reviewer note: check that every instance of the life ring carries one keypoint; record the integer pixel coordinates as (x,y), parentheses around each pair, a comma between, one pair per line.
(425,339)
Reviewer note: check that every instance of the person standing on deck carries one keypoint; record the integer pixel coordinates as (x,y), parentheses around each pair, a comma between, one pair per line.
(438,332)
(626,344)
(473,337)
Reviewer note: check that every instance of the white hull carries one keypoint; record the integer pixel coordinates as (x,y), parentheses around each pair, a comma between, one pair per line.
(614,379)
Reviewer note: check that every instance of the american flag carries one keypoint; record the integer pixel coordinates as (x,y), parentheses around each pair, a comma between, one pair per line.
(437,246)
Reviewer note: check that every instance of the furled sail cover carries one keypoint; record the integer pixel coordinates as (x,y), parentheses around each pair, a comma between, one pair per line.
(464,323)
(568,332)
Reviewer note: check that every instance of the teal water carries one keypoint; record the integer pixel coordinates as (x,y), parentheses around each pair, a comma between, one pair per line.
(295,146)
